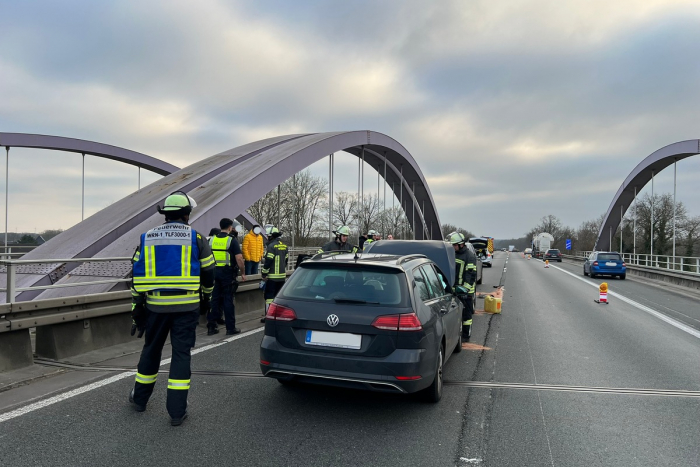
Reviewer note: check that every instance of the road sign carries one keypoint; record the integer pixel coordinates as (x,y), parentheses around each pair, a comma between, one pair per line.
(568,244)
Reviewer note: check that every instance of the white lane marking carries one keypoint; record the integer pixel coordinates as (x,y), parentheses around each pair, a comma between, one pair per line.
(104,382)
(683,327)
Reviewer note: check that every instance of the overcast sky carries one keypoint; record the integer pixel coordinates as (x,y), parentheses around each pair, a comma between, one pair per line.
(513,109)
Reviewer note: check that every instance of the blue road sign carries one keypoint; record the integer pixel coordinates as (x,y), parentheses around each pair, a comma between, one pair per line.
(568,244)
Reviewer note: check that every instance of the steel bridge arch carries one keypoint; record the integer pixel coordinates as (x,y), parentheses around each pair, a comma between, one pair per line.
(223,185)
(80,146)
(637,179)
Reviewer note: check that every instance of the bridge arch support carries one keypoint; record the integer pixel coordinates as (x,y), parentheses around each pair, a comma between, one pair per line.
(636,180)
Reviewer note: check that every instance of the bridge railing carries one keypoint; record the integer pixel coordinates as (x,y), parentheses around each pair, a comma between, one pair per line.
(687,264)
(15,267)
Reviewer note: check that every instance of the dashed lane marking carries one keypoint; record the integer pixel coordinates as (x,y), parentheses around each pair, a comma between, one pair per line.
(104,382)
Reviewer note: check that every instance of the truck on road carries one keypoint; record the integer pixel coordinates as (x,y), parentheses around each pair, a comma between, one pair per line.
(541,243)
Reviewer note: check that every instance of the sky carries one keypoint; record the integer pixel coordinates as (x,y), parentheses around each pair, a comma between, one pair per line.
(513,109)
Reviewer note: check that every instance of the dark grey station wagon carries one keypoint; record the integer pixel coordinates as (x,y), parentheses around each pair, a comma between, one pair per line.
(378,322)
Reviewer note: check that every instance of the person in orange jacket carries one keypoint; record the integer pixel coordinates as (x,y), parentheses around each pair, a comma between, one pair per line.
(253,250)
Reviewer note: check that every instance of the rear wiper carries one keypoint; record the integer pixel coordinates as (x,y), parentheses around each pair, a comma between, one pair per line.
(350,300)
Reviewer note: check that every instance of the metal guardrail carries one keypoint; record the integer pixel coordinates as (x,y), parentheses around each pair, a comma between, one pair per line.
(13,265)
(685,264)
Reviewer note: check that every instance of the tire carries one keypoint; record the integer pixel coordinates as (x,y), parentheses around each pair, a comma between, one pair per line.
(433,393)
(584,272)
(287,383)
(592,275)
(623,276)
(559,261)
(479,280)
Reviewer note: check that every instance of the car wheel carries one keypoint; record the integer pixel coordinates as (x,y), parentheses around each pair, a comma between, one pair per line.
(287,382)
(480,279)
(433,393)
(622,276)
(584,272)
(558,261)
(592,275)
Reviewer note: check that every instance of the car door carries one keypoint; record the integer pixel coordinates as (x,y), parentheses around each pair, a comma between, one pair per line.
(449,306)
(427,303)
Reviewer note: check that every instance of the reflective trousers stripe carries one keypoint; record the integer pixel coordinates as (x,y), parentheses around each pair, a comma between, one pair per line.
(178,384)
(467,323)
(146,379)
(269,300)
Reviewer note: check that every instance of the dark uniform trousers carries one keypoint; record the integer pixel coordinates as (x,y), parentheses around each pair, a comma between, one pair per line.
(271,290)
(467,312)
(225,286)
(181,327)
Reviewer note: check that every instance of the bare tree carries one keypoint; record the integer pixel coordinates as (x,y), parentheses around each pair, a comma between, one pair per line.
(396,223)
(587,234)
(265,209)
(344,208)
(447,229)
(663,222)
(303,207)
(691,231)
(367,213)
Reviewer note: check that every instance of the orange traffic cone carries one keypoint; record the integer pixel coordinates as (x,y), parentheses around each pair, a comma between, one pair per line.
(603,294)
(546,263)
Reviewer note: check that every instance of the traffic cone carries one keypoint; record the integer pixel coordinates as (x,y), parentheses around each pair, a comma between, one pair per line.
(546,263)
(529,256)
(602,294)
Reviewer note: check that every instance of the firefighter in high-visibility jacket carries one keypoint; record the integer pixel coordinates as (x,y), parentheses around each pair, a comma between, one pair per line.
(274,270)
(465,279)
(173,278)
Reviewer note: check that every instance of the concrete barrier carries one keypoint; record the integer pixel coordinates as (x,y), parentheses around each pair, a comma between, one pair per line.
(73,326)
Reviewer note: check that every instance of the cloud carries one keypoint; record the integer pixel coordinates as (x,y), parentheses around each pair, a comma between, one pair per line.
(487,96)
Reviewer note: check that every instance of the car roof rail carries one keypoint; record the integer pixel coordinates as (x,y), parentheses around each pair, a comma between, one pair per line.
(330,253)
(405,258)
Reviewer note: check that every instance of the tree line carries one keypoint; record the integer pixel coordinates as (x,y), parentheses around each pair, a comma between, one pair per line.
(583,238)
(303,211)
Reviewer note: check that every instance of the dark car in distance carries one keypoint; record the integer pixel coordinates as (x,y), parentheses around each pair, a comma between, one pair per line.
(552,255)
(378,322)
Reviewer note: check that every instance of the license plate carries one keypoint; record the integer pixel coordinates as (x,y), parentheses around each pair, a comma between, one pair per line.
(334,339)
(610,264)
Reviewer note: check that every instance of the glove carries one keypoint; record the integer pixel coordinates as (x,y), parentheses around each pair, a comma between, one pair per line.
(139,316)
(204,303)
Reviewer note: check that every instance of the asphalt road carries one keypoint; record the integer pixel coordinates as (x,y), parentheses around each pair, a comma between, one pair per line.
(550,333)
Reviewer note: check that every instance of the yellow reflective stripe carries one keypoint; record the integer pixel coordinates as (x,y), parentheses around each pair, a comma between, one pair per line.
(277,276)
(269,300)
(147,261)
(146,379)
(207,289)
(178,384)
(188,257)
(161,279)
(277,264)
(172,299)
(467,322)
(137,255)
(152,254)
(183,261)
(206,262)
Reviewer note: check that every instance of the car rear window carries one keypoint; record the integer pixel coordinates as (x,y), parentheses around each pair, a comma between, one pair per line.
(609,257)
(552,251)
(376,286)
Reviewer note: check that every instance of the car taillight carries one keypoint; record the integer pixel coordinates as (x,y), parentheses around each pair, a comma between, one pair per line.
(280,313)
(403,322)
(623,265)
(407,378)
(595,263)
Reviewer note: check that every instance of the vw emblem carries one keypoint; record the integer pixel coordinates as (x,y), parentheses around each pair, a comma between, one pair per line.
(332,320)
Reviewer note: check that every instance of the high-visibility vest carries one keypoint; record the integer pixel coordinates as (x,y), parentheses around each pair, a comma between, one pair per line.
(168,260)
(220,246)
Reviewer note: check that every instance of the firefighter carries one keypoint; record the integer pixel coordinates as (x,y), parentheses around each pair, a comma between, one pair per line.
(229,263)
(371,237)
(173,278)
(465,279)
(274,270)
(341,241)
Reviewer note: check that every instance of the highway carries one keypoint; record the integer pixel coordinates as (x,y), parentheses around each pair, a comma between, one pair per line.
(551,333)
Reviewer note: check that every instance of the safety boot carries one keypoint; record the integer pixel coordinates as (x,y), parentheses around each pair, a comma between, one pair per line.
(137,407)
(178,421)
(212,329)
